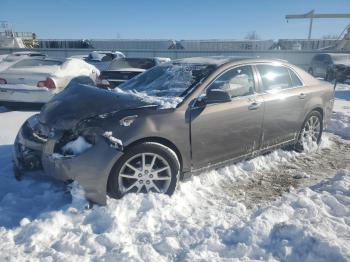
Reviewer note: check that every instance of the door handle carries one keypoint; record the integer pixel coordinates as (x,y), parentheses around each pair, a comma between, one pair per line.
(302,95)
(254,106)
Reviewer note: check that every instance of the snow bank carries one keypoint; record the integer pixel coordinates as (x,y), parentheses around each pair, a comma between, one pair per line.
(200,222)
(340,121)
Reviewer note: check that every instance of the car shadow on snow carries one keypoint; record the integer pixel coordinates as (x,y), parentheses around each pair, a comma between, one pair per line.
(29,198)
(343,94)
(4,108)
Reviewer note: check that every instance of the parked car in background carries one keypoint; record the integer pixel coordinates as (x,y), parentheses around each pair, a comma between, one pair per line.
(174,120)
(8,60)
(327,65)
(34,80)
(100,59)
(121,70)
(163,59)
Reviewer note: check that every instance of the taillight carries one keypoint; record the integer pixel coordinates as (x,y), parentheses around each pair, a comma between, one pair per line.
(48,83)
(3,81)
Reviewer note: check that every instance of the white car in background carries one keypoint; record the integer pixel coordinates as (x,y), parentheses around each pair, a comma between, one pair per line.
(38,80)
(9,59)
(100,59)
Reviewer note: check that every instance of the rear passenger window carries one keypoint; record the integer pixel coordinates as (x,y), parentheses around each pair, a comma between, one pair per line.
(295,79)
(274,77)
(36,62)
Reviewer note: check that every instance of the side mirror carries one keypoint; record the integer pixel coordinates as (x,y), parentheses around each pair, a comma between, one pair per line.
(217,96)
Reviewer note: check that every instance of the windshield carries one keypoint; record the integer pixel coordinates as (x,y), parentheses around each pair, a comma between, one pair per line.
(142,63)
(168,80)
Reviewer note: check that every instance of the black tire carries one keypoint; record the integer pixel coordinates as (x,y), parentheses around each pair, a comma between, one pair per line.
(311,72)
(329,76)
(146,147)
(299,145)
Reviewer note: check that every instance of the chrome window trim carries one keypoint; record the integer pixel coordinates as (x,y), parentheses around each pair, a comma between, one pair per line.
(283,65)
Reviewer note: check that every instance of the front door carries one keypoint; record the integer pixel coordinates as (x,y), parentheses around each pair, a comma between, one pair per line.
(222,131)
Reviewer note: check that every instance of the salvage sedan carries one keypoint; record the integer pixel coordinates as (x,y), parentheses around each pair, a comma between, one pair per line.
(174,120)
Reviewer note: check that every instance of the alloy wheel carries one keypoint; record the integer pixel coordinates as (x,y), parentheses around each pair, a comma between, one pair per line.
(143,173)
(311,131)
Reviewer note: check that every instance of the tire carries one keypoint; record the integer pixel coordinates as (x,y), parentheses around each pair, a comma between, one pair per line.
(123,177)
(311,72)
(317,138)
(329,76)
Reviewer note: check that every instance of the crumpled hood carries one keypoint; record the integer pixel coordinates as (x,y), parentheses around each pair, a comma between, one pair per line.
(78,102)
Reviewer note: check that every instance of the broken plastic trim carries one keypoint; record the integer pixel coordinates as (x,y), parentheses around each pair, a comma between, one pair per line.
(114,142)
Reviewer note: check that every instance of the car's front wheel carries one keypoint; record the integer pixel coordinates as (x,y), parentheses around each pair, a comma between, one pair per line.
(330,75)
(145,167)
(311,131)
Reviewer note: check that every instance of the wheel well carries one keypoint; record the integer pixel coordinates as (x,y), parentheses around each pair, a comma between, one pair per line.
(162,141)
(318,109)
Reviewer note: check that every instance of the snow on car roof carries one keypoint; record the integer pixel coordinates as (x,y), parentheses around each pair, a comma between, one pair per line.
(220,60)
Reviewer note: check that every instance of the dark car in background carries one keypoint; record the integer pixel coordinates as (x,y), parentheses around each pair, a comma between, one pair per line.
(330,65)
(123,69)
(176,119)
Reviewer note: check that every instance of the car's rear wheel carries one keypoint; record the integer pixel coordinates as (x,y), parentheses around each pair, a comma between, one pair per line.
(146,167)
(311,132)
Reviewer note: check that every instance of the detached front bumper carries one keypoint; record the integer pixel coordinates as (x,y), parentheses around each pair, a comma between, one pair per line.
(91,168)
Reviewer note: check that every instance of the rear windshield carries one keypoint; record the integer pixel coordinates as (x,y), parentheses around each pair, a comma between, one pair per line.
(36,62)
(168,80)
(142,63)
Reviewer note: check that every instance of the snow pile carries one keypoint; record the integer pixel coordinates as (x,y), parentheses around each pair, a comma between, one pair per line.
(76,147)
(74,67)
(340,121)
(199,222)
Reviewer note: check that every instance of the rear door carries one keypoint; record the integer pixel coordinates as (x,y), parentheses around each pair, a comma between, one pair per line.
(222,131)
(284,103)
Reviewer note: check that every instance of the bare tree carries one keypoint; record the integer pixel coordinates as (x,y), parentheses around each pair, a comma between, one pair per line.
(253,35)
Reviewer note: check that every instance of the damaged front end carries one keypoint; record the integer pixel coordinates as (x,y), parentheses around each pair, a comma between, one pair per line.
(85,154)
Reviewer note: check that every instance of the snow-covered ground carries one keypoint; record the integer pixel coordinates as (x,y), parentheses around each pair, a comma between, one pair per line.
(282,206)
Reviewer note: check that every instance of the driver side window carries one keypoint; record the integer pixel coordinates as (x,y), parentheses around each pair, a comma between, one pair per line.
(238,82)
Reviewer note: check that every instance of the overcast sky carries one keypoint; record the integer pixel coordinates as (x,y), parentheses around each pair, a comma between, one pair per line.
(176,19)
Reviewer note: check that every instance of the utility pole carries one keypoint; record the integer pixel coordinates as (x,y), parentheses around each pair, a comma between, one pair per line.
(311,15)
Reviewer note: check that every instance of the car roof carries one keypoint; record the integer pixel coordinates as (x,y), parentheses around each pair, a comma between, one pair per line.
(221,60)
(27,53)
(335,54)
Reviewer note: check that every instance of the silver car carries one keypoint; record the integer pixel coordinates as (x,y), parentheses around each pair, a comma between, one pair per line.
(34,80)
(174,120)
